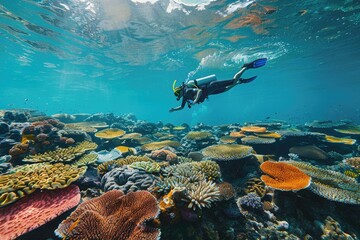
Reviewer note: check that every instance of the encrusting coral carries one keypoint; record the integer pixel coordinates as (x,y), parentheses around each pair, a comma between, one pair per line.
(113,216)
(227,152)
(35,210)
(329,184)
(38,176)
(62,154)
(283,176)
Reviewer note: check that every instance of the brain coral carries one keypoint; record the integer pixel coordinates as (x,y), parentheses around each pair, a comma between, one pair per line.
(226,152)
(127,180)
(113,216)
(198,136)
(283,176)
(158,145)
(40,176)
(35,210)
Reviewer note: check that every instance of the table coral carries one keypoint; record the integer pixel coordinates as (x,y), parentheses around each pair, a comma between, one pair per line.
(226,152)
(283,176)
(198,136)
(253,129)
(113,216)
(35,210)
(109,133)
(158,145)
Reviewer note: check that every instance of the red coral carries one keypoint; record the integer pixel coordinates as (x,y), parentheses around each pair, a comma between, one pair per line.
(113,215)
(35,210)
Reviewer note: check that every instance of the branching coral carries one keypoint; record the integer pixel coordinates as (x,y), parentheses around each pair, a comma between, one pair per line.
(158,145)
(210,169)
(112,216)
(255,185)
(36,210)
(198,136)
(40,176)
(329,184)
(227,152)
(284,176)
(62,154)
(202,194)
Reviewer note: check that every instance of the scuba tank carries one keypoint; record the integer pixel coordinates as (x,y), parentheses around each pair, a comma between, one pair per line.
(201,81)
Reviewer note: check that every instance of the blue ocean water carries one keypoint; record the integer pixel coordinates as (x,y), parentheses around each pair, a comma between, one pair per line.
(122,56)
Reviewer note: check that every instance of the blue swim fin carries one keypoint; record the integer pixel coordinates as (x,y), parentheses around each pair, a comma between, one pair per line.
(247,80)
(257,63)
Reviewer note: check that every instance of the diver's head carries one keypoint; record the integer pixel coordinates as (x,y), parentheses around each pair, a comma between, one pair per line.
(177,91)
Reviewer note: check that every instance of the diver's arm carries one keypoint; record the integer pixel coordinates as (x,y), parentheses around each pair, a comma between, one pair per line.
(179,107)
(198,94)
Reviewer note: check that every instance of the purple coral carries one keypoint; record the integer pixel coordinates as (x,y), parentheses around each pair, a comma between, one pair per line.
(250,201)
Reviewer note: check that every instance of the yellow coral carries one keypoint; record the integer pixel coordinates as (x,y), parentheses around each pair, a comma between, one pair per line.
(88,159)
(354,130)
(104,167)
(255,185)
(39,176)
(269,135)
(62,154)
(210,169)
(226,152)
(333,139)
(110,133)
(228,139)
(158,145)
(131,136)
(253,129)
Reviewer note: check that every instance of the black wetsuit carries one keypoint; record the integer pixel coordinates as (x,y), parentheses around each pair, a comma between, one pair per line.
(214,87)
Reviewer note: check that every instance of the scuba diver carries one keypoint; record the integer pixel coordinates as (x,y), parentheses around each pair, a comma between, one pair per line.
(197,90)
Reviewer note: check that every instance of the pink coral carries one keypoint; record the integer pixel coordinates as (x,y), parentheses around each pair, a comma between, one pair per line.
(113,215)
(35,210)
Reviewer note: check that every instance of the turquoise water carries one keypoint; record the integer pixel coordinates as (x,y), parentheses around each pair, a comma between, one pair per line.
(122,56)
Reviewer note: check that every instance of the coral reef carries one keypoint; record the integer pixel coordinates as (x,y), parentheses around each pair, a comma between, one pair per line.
(226,190)
(164,154)
(332,230)
(127,180)
(202,194)
(255,185)
(352,130)
(107,166)
(253,129)
(227,152)
(86,160)
(353,162)
(283,176)
(149,167)
(35,210)
(250,201)
(332,139)
(257,140)
(113,215)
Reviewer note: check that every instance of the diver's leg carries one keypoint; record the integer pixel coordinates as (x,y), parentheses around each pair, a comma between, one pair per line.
(217,87)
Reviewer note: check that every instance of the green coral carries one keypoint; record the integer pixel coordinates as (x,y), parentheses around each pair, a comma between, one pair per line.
(88,159)
(150,167)
(198,136)
(331,185)
(158,145)
(104,167)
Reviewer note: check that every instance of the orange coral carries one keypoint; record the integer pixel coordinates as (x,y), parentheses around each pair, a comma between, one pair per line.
(113,215)
(283,176)
(237,134)
(164,155)
(253,129)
